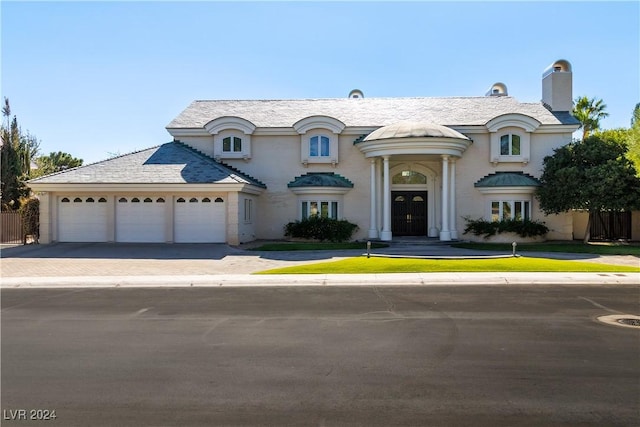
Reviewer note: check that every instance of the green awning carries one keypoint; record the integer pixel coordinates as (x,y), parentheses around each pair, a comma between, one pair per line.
(507,179)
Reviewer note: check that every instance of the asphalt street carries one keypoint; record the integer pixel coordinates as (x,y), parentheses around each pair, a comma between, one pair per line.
(321,356)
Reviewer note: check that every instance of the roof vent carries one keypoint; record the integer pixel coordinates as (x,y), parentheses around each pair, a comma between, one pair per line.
(356,94)
(497,89)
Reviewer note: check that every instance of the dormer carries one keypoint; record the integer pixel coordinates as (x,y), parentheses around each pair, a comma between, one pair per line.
(319,139)
(231,137)
(510,138)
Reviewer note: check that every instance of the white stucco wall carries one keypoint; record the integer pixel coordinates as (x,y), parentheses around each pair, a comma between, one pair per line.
(276,161)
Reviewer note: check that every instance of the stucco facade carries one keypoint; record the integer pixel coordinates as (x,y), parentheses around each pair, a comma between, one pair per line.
(393,166)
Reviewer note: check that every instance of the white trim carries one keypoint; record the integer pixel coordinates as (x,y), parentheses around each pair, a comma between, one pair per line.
(507,190)
(301,191)
(319,122)
(149,188)
(230,122)
(178,132)
(423,145)
(529,124)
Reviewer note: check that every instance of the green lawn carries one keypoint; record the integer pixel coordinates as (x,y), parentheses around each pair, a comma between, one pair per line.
(316,246)
(570,247)
(364,265)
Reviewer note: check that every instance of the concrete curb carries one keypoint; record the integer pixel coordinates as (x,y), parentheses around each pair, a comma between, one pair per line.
(389,279)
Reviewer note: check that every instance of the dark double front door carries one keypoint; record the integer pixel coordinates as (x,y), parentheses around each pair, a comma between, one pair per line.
(409,213)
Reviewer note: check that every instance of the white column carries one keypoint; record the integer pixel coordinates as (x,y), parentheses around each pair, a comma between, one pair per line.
(386,197)
(445,234)
(379,195)
(452,200)
(373,220)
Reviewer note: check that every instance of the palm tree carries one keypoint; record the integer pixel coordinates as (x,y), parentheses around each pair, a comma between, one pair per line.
(589,112)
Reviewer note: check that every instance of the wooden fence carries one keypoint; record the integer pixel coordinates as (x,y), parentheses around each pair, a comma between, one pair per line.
(611,226)
(11,227)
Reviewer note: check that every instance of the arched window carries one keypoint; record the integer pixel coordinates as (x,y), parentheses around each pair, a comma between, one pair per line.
(409,177)
(193,200)
(65,200)
(135,200)
(122,200)
(90,200)
(219,200)
(232,144)
(160,200)
(180,200)
(319,146)
(102,200)
(206,200)
(77,200)
(148,200)
(510,145)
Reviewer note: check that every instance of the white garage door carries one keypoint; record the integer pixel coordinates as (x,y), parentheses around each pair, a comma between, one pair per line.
(82,219)
(200,220)
(140,219)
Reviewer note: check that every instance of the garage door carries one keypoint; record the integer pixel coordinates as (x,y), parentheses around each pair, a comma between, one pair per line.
(140,219)
(200,220)
(82,219)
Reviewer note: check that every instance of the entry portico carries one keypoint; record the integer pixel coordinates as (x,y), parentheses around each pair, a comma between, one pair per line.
(404,143)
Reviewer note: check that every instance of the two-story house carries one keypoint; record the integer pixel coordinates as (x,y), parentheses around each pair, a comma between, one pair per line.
(239,170)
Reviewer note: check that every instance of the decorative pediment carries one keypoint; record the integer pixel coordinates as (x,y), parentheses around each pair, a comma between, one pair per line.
(230,122)
(318,122)
(529,124)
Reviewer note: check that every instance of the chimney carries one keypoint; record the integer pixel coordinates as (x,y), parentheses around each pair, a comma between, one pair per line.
(557,86)
(498,89)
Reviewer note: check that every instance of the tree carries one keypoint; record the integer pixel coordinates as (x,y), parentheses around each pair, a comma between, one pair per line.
(593,174)
(15,158)
(55,162)
(589,112)
(633,141)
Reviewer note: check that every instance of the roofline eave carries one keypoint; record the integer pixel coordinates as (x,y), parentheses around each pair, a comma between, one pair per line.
(415,145)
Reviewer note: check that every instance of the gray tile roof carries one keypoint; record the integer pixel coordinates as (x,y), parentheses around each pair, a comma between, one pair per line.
(368,112)
(170,163)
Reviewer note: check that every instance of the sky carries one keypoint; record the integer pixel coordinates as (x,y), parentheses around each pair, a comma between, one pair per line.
(98,79)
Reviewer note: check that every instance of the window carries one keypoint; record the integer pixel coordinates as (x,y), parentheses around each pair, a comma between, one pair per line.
(409,177)
(65,200)
(510,145)
(148,200)
(77,200)
(90,200)
(102,200)
(232,144)
(510,209)
(319,146)
(248,206)
(323,208)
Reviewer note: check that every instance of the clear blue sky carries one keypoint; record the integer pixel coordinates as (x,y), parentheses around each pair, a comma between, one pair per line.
(97,78)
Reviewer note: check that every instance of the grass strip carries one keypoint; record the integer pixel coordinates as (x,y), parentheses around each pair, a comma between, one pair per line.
(364,265)
(568,247)
(316,246)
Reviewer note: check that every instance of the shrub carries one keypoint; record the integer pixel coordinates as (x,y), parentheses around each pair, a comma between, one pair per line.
(30,214)
(321,228)
(523,228)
